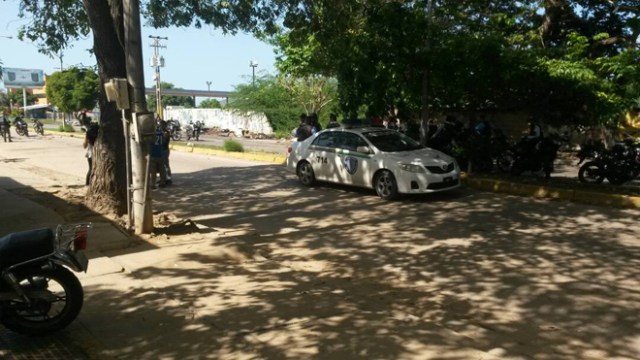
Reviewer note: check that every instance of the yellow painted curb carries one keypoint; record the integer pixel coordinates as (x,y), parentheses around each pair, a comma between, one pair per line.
(255,156)
(265,157)
(76,134)
(546,192)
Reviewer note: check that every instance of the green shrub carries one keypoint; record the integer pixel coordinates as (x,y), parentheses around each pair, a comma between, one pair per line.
(66,128)
(233,146)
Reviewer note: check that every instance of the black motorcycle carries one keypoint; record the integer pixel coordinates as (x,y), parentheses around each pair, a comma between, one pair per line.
(174,129)
(619,165)
(21,126)
(38,294)
(38,127)
(534,156)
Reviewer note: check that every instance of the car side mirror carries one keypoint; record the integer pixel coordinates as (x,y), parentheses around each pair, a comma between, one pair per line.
(363,149)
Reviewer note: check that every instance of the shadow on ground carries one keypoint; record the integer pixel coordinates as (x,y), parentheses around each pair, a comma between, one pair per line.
(334,272)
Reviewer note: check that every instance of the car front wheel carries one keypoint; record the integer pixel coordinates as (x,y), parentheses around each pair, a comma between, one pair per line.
(386,186)
(305,174)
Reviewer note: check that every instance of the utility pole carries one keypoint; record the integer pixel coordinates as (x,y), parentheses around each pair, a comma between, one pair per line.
(157,61)
(142,122)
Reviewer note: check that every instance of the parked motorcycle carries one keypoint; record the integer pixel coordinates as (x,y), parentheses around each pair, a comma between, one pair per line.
(38,294)
(619,165)
(21,126)
(38,127)
(174,129)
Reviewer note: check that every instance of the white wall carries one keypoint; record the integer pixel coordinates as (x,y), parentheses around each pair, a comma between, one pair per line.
(223,119)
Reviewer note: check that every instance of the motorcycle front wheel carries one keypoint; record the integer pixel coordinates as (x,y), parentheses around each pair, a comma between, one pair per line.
(176,136)
(503,162)
(591,173)
(56,297)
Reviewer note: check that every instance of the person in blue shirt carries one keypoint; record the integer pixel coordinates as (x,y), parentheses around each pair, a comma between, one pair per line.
(156,158)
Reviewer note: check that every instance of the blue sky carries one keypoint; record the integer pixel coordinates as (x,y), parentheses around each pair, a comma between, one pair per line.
(192,56)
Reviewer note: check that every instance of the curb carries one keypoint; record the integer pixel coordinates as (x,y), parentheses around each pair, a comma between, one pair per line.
(547,192)
(277,159)
(265,157)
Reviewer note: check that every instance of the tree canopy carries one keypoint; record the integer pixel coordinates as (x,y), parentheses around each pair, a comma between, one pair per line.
(270,97)
(565,60)
(73,89)
(568,61)
(210,104)
(170,100)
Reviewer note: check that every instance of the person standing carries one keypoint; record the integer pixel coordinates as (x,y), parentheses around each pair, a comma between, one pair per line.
(304,129)
(5,128)
(333,121)
(156,162)
(89,142)
(314,122)
(165,150)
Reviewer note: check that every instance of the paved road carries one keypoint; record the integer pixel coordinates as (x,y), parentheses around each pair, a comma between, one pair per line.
(275,146)
(282,271)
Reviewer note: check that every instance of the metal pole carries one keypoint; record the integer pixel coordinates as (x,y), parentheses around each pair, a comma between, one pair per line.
(253,71)
(143,217)
(127,136)
(158,93)
(24,102)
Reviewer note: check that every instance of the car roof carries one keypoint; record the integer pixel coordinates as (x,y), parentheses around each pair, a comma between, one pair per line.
(358,130)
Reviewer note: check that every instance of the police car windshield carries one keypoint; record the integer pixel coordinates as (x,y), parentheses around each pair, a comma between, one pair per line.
(391,141)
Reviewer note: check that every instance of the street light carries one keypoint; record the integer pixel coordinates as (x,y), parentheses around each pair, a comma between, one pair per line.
(253,71)
(208,85)
(6,37)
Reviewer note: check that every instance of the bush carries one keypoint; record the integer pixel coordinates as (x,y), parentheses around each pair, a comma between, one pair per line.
(233,146)
(66,128)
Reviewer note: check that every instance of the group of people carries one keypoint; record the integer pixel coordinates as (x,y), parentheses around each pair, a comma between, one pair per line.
(18,123)
(308,126)
(158,153)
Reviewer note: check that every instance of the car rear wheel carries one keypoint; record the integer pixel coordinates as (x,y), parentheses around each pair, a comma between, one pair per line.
(386,186)
(305,174)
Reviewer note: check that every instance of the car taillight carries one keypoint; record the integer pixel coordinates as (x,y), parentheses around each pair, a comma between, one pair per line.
(80,240)
(289,150)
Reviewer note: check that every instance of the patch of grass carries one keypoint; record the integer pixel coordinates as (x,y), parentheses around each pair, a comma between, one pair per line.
(66,128)
(233,146)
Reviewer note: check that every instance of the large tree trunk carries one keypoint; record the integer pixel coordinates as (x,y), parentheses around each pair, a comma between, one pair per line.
(108,189)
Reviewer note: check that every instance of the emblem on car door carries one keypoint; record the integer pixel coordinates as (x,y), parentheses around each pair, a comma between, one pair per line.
(351,164)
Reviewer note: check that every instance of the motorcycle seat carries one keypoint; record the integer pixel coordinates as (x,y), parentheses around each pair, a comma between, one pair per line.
(21,246)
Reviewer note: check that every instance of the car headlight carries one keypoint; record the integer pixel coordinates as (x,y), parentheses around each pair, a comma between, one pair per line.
(412,168)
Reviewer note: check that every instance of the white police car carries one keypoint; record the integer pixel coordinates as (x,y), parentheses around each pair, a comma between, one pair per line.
(385,160)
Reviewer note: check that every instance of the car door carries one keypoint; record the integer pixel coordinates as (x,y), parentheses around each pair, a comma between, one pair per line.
(321,155)
(353,162)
